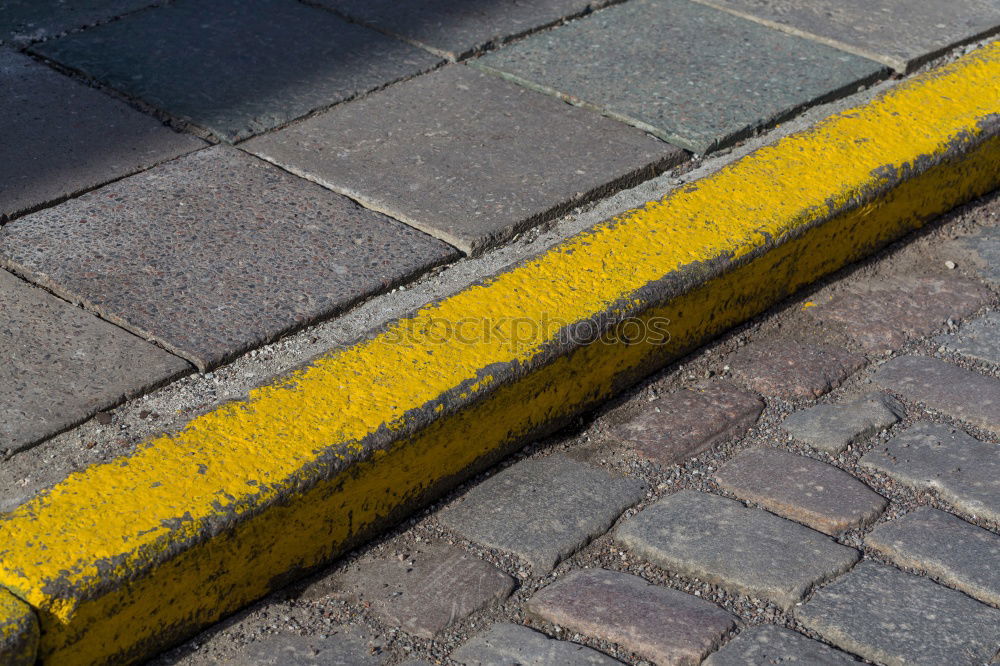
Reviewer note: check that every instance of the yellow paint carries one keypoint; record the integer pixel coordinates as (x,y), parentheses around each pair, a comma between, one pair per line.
(808,304)
(104,522)
(18,632)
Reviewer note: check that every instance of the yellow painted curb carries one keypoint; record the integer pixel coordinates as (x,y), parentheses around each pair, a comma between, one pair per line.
(125,557)
(18,632)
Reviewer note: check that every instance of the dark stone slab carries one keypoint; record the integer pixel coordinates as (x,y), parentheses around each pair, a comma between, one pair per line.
(60,365)
(983,249)
(69,138)
(768,645)
(894,618)
(978,339)
(689,74)
(346,647)
(22,21)
(215,252)
(794,370)
(471,158)
(683,424)
(834,427)
(657,623)
(559,505)
(806,490)
(723,542)
(517,645)
(238,67)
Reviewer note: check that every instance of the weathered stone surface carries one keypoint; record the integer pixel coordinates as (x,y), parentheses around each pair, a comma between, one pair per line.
(978,339)
(894,618)
(68,137)
(791,369)
(691,75)
(834,427)
(881,317)
(960,555)
(725,543)
(471,158)
(983,247)
(346,647)
(215,252)
(60,365)
(806,490)
(664,625)
(683,424)
(940,385)
(22,21)
(558,505)
(238,67)
(900,33)
(929,456)
(430,590)
(767,645)
(19,632)
(514,644)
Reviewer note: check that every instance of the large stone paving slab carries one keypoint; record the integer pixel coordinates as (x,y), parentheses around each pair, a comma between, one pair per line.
(895,618)
(768,645)
(59,365)
(68,138)
(22,21)
(900,33)
(978,339)
(238,67)
(513,644)
(723,542)
(215,252)
(690,74)
(543,511)
(930,456)
(834,427)
(469,158)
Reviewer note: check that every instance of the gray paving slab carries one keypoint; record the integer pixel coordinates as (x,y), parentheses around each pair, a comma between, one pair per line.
(471,158)
(513,644)
(931,456)
(215,252)
(544,510)
(900,33)
(23,21)
(958,554)
(978,339)
(983,251)
(238,67)
(767,645)
(833,427)
(60,365)
(725,543)
(68,137)
(895,618)
(345,647)
(690,74)
(792,369)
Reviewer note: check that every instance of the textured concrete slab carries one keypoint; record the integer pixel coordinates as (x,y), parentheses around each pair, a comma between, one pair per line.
(794,370)
(471,158)
(22,21)
(664,625)
(894,618)
(691,75)
(543,511)
(978,339)
(18,632)
(767,645)
(60,365)
(69,138)
(805,490)
(721,541)
(900,33)
(960,555)
(930,456)
(238,67)
(513,644)
(215,253)
(834,427)
(346,647)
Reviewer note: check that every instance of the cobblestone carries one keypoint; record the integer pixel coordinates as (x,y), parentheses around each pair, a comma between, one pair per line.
(348,647)
(767,645)
(978,339)
(22,21)
(794,370)
(833,427)
(983,248)
(513,644)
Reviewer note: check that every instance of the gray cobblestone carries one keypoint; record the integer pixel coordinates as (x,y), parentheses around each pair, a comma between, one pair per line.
(983,249)
(834,427)
(513,644)
(978,339)
(768,645)
(794,370)
(347,647)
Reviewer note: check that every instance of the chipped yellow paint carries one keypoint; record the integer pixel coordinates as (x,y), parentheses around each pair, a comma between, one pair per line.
(80,553)
(808,304)
(18,632)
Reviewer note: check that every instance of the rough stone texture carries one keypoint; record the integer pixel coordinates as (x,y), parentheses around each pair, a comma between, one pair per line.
(957,392)
(471,158)
(983,251)
(513,644)
(806,490)
(882,317)
(900,33)
(544,510)
(834,427)
(721,541)
(767,645)
(19,632)
(22,21)
(683,424)
(428,591)
(68,137)
(929,456)
(459,29)
(961,555)
(238,67)
(894,618)
(60,365)
(978,339)
(347,647)
(691,75)
(664,625)
(215,252)
(791,369)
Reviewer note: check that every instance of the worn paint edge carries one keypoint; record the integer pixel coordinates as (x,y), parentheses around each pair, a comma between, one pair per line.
(18,631)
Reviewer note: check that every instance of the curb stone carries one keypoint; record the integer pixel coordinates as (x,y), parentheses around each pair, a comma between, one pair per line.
(18,632)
